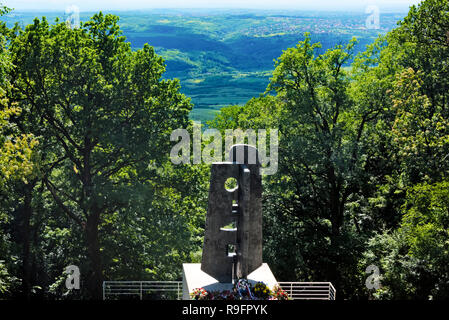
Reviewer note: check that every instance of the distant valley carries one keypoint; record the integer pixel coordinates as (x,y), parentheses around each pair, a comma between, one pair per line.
(226,57)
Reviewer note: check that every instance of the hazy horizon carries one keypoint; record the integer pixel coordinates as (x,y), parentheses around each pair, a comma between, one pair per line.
(130,5)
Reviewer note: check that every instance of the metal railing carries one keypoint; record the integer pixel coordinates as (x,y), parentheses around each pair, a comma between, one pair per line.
(309,290)
(155,290)
(172,290)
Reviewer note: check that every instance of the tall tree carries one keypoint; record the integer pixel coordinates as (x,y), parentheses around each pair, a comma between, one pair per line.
(321,154)
(105,112)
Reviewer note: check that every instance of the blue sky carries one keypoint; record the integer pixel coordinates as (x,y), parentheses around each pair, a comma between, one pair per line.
(91,5)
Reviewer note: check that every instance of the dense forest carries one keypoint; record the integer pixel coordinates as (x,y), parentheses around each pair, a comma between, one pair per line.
(86,177)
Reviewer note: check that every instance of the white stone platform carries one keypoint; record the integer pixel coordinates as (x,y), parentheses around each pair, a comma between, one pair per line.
(193,278)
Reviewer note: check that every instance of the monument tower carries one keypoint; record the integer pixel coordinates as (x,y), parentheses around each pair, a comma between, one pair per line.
(230,253)
(242,207)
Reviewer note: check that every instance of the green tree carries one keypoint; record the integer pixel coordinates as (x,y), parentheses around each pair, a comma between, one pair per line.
(15,149)
(421,42)
(321,158)
(412,148)
(17,156)
(312,225)
(414,258)
(105,112)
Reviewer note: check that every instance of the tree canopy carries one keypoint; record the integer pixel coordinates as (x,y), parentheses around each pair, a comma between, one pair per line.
(363,160)
(86,178)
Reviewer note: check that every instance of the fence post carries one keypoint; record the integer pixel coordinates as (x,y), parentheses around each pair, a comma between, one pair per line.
(104,294)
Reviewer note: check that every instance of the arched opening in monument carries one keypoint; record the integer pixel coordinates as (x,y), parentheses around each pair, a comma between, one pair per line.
(231,184)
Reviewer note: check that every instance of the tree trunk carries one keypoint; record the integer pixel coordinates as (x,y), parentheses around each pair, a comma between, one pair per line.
(333,272)
(26,240)
(336,210)
(95,282)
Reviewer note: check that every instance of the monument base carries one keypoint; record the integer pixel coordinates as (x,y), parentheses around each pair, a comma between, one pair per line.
(193,278)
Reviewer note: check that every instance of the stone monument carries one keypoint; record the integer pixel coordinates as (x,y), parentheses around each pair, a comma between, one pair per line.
(230,253)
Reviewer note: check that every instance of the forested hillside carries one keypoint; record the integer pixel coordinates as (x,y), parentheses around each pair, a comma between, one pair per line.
(86,177)
(226,56)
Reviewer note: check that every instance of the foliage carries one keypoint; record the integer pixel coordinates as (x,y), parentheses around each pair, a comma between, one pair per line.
(354,143)
(413,254)
(15,149)
(362,176)
(414,258)
(321,138)
(16,152)
(105,196)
